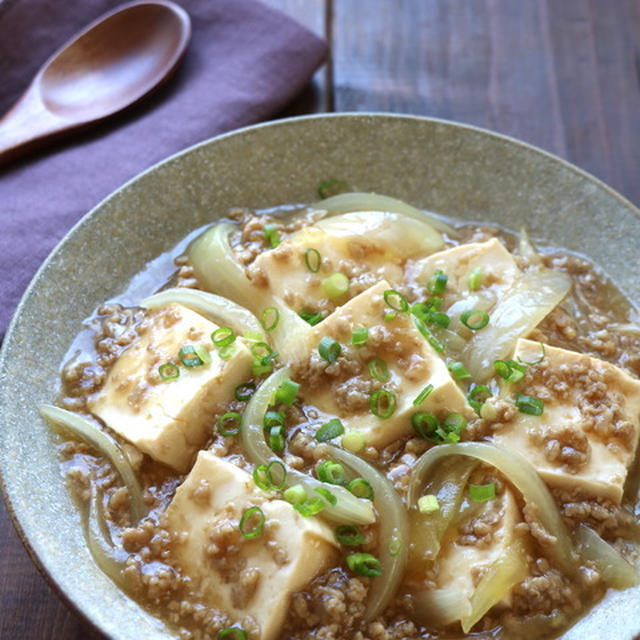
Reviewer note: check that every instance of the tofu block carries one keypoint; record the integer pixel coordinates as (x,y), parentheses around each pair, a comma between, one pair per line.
(365,246)
(344,389)
(587,436)
(244,578)
(499,272)
(169,420)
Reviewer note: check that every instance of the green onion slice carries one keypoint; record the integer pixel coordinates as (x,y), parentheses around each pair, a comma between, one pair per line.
(273,419)
(476,277)
(361,488)
(310,507)
(425,425)
(232,633)
(168,371)
(382,403)
(529,404)
(252,522)
(390,315)
(379,370)
(332,187)
(330,430)
(260,477)
(336,285)
(329,349)
(270,318)
(313,260)
(327,495)
(244,391)
(229,424)
(364,564)
(271,235)
(482,492)
(353,441)
(189,357)
(223,336)
(261,350)
(276,438)
(474,319)
(331,472)
(312,317)
(423,395)
(478,396)
(295,494)
(458,371)
(428,335)
(396,300)
(226,352)
(360,336)
(438,282)
(349,535)
(287,392)
(276,475)
(510,370)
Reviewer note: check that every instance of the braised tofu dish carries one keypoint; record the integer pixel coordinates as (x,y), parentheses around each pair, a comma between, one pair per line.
(358,420)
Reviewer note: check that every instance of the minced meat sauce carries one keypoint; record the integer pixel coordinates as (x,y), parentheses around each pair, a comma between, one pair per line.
(593,319)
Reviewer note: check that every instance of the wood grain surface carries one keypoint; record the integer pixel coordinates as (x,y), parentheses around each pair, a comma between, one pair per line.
(560,74)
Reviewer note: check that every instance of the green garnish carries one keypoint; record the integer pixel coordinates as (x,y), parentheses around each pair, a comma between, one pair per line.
(423,395)
(382,403)
(244,391)
(229,424)
(478,396)
(271,235)
(287,392)
(476,278)
(474,319)
(529,404)
(361,488)
(330,430)
(270,318)
(312,317)
(168,371)
(332,187)
(458,371)
(336,285)
(313,260)
(252,522)
(223,336)
(379,370)
(482,492)
(510,370)
(349,535)
(438,282)
(396,300)
(331,472)
(360,336)
(364,564)
(329,349)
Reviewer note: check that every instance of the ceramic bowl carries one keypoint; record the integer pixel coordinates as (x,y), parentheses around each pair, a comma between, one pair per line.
(445,167)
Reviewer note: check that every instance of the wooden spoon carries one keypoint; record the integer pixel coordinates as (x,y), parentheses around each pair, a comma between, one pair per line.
(112,64)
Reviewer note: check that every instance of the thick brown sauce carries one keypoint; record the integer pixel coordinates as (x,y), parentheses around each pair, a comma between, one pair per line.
(595,318)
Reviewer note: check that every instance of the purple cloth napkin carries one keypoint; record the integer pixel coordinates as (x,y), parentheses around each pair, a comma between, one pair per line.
(244,63)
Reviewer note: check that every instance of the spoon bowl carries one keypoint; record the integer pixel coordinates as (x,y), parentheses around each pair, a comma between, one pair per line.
(112,64)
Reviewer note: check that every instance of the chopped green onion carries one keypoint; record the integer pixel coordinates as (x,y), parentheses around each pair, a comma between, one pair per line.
(231,633)
(329,349)
(390,315)
(396,300)
(287,392)
(395,545)
(229,424)
(190,357)
(360,336)
(349,535)
(364,564)
(458,371)
(312,317)
(254,336)
(295,494)
(168,371)
(332,187)
(537,360)
(331,472)
(476,278)
(440,319)
(474,319)
(423,395)
(427,334)
(261,350)
(434,303)
(276,438)
(330,430)
(252,522)
(428,504)
(336,285)
(270,318)
(510,370)
(382,403)
(261,367)
(425,425)
(422,311)
(276,482)
(313,260)
(226,352)
(260,477)
(353,441)
(438,282)
(202,353)
(379,370)
(529,404)
(271,235)
(244,391)
(223,336)
(478,396)
(273,419)
(327,495)
(454,424)
(310,507)
(482,492)
(361,488)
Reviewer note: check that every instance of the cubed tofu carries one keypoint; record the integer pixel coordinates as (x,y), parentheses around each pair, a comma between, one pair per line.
(169,420)
(586,438)
(497,266)
(344,389)
(244,578)
(365,246)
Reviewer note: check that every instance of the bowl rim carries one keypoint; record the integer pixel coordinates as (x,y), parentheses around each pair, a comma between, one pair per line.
(58,590)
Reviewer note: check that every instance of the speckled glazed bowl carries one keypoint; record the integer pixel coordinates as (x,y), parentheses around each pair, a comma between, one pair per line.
(441,166)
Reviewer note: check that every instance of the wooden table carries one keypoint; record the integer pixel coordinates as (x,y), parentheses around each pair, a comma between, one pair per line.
(560,74)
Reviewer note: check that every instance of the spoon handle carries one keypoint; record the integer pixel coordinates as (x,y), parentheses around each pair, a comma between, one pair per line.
(27,124)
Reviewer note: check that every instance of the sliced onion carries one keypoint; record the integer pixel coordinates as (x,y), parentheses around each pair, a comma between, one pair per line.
(440,607)
(509,569)
(393,529)
(358,201)
(523,307)
(220,310)
(526,248)
(348,509)
(616,571)
(108,447)
(522,474)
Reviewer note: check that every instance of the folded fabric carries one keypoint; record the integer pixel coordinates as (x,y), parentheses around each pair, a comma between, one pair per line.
(245,62)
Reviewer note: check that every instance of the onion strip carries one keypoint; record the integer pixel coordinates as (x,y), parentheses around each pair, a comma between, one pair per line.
(393,528)
(348,508)
(521,473)
(108,447)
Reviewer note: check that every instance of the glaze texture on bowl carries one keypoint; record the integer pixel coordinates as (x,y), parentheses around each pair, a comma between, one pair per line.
(448,168)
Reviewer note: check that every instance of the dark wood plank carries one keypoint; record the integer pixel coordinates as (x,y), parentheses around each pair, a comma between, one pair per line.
(563,75)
